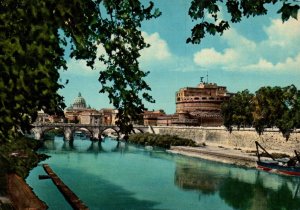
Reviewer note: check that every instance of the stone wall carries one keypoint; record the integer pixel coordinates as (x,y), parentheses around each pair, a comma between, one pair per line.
(272,140)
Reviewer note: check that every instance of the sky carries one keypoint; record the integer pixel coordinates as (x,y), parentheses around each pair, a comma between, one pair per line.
(258,51)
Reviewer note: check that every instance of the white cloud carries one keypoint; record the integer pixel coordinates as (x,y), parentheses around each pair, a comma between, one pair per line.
(261,65)
(231,58)
(283,34)
(158,51)
(235,40)
(264,65)
(79,67)
(280,51)
(210,57)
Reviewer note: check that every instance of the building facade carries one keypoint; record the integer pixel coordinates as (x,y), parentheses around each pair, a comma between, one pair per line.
(79,112)
(74,111)
(195,106)
(90,117)
(108,116)
(200,105)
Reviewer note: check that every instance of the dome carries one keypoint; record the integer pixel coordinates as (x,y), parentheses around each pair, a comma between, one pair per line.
(79,102)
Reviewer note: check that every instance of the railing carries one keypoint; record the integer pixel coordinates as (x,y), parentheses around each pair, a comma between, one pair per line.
(40,124)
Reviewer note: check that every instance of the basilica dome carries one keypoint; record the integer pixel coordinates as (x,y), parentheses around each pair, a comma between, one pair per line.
(79,102)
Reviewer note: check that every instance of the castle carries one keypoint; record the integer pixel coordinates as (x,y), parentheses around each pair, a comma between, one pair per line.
(195,106)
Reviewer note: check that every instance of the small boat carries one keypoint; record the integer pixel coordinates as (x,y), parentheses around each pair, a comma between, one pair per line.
(286,166)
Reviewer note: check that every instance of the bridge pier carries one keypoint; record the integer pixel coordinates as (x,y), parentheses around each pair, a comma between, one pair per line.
(68,134)
(96,134)
(38,136)
(95,139)
(38,133)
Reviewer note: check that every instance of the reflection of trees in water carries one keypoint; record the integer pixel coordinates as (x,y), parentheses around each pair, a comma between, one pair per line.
(49,144)
(283,199)
(238,191)
(245,196)
(236,194)
(187,177)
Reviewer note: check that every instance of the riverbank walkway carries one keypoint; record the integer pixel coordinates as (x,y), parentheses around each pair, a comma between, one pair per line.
(222,154)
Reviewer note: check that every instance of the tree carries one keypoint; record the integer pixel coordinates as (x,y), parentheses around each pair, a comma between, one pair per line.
(269,107)
(122,79)
(276,106)
(238,110)
(33,35)
(204,9)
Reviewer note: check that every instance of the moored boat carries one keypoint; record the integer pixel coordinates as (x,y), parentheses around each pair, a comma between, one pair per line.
(286,166)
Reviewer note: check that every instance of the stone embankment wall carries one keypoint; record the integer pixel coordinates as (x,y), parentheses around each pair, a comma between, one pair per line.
(272,140)
(22,195)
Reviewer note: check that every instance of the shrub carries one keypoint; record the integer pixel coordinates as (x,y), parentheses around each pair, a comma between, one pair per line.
(163,141)
(19,156)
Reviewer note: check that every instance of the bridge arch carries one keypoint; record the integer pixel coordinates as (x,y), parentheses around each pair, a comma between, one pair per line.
(82,129)
(137,130)
(41,132)
(110,128)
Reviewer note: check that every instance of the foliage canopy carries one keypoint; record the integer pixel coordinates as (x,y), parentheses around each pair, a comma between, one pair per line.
(206,12)
(238,111)
(33,35)
(268,107)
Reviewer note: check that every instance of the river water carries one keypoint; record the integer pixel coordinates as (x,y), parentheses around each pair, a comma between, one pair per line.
(112,176)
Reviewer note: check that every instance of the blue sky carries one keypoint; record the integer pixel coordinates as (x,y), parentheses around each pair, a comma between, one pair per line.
(257,52)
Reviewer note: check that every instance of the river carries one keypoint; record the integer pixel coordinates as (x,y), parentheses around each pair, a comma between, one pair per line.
(112,176)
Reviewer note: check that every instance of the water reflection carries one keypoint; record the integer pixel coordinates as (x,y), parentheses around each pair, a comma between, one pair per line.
(95,147)
(242,189)
(85,146)
(105,191)
(195,178)
(148,178)
(68,146)
(49,144)
(121,147)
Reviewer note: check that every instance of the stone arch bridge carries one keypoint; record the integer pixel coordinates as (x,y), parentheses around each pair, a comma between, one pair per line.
(95,131)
